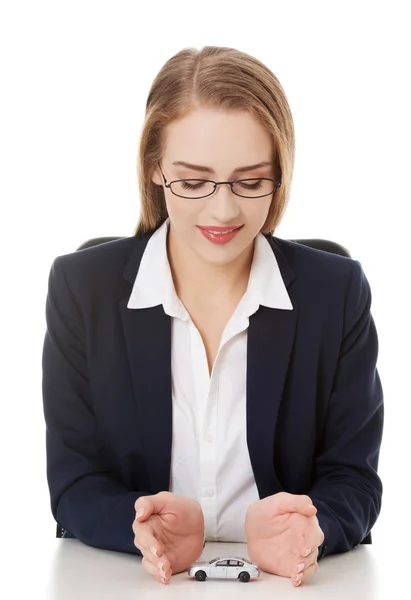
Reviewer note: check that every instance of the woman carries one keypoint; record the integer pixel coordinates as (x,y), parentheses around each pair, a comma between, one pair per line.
(203,379)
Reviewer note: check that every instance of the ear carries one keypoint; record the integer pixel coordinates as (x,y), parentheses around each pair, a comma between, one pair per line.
(157,177)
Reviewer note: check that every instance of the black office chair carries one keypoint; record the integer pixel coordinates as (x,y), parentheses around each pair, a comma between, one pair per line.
(319,244)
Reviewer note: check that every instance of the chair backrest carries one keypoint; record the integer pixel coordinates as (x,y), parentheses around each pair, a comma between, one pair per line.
(319,244)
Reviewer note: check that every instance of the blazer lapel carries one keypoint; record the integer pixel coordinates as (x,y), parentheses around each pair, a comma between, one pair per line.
(148,338)
(270,342)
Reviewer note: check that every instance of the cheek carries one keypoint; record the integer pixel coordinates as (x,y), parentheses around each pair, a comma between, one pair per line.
(183,213)
(256,214)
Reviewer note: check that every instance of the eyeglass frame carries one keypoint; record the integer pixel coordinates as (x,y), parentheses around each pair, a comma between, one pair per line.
(216,183)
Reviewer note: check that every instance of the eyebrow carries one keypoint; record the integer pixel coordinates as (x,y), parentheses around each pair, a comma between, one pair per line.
(181,163)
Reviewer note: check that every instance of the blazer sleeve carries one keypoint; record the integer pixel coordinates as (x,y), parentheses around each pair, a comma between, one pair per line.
(347,490)
(86,499)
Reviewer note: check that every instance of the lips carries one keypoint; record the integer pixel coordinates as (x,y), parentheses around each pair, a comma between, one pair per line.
(219,235)
(219,230)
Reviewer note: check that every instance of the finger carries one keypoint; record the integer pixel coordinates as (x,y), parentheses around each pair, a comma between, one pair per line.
(145,540)
(288,503)
(157,503)
(305,575)
(308,573)
(161,562)
(313,538)
(306,562)
(144,507)
(158,571)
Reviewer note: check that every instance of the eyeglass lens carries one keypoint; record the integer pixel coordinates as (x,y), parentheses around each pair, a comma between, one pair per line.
(248,188)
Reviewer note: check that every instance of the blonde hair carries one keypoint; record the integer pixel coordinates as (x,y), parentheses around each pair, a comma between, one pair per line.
(215,77)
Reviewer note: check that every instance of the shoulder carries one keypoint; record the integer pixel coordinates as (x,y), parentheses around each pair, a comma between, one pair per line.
(98,267)
(310,263)
(318,273)
(299,255)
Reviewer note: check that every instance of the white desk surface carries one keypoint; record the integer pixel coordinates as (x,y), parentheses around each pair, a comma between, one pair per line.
(66,569)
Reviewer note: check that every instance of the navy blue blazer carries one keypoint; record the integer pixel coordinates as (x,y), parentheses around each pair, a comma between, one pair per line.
(314,398)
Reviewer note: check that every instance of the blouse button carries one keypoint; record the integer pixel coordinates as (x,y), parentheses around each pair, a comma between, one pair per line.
(208,437)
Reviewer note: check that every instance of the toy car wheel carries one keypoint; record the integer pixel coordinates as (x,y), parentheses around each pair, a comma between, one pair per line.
(201,576)
(244,576)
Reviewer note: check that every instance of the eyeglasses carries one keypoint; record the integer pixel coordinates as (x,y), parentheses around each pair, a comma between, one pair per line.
(256,187)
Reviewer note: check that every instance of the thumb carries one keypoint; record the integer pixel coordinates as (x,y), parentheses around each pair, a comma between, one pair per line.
(293,503)
(144,507)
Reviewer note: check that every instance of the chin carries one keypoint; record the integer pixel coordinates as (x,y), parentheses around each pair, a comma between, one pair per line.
(219,255)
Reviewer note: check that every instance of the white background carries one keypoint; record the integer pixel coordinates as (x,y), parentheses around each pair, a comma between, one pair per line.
(74,79)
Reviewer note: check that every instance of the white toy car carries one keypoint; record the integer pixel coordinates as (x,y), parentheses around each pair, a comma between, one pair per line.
(230,567)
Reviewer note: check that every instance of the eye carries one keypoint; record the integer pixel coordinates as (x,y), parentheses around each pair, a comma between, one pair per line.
(192,186)
(250,184)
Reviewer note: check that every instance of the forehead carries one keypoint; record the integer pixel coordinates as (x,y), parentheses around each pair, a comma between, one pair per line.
(217,138)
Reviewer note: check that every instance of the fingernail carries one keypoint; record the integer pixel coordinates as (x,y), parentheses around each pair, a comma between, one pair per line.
(164,580)
(298,583)
(307,552)
(298,577)
(139,512)
(311,506)
(300,567)
(153,550)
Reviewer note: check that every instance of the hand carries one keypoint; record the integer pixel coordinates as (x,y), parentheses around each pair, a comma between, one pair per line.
(283,536)
(169,531)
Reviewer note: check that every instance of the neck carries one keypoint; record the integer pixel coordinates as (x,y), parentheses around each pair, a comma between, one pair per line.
(199,279)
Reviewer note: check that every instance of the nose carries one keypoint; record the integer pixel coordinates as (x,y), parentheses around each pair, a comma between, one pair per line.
(224,206)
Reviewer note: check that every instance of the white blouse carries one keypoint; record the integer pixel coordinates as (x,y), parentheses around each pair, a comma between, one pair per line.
(210,460)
